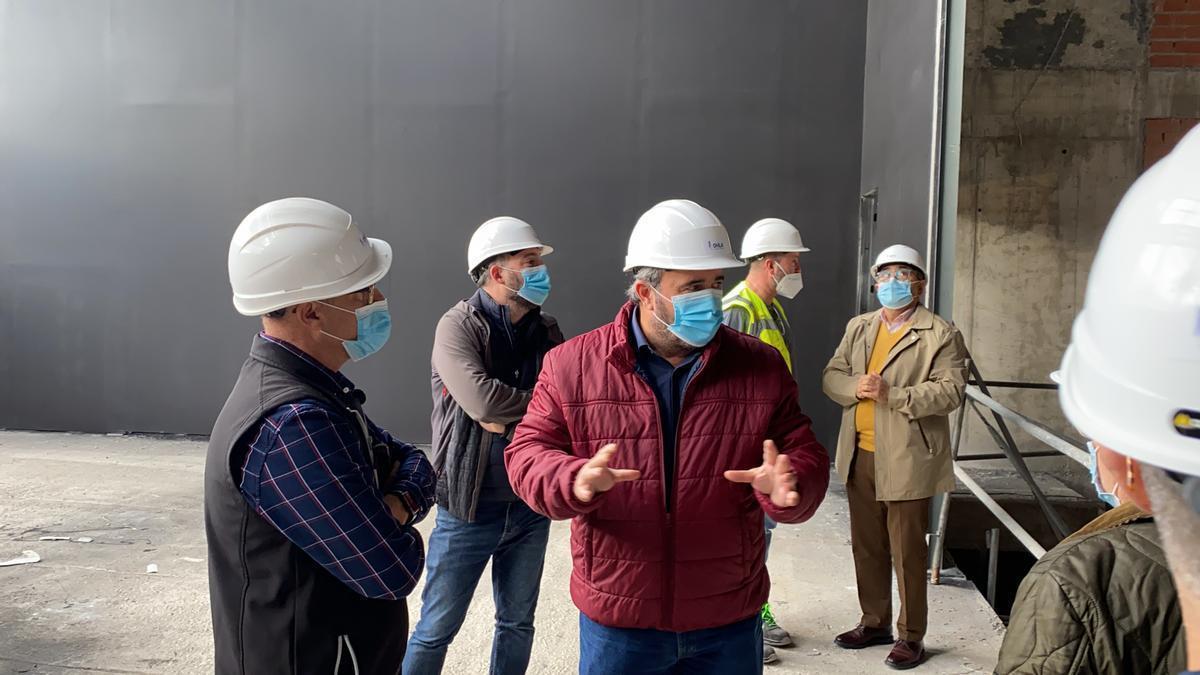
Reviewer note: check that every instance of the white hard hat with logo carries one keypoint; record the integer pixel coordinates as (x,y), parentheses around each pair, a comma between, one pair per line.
(772,235)
(298,250)
(1131,375)
(899,253)
(679,234)
(503,234)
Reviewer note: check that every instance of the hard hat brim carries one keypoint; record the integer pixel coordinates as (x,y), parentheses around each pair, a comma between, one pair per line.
(753,252)
(1130,419)
(875,267)
(383,263)
(699,263)
(368,274)
(508,248)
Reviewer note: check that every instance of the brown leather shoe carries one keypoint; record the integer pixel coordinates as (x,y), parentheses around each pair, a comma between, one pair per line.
(863,636)
(906,654)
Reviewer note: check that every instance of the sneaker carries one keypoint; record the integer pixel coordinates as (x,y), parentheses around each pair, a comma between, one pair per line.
(773,634)
(769,655)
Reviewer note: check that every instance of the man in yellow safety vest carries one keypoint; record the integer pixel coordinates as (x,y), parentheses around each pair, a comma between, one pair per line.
(772,247)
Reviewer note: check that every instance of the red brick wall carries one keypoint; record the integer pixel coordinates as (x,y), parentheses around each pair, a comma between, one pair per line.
(1174,43)
(1161,136)
(1175,35)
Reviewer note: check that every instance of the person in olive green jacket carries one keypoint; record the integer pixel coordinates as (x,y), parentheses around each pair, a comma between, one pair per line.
(1102,601)
(898,374)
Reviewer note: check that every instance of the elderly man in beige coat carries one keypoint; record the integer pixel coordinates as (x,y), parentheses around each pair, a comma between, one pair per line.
(898,374)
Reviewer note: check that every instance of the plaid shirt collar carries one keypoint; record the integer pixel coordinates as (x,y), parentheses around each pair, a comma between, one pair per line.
(340,381)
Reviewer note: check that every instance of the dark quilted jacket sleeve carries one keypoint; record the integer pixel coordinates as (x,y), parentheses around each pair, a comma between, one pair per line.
(539,461)
(1045,635)
(1101,602)
(792,432)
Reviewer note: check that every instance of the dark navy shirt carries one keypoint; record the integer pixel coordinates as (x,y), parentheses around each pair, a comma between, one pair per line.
(668,383)
(516,351)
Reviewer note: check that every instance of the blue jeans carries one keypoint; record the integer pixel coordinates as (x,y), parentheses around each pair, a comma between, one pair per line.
(514,538)
(769,526)
(735,649)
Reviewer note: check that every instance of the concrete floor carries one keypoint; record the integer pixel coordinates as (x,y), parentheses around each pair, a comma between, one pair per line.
(92,607)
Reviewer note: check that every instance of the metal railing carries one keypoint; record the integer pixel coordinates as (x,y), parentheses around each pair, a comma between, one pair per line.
(978,397)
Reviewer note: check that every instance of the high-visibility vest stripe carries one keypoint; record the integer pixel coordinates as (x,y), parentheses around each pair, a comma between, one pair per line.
(763,325)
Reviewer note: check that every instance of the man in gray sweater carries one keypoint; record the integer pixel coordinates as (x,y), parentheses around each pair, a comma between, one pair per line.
(487,353)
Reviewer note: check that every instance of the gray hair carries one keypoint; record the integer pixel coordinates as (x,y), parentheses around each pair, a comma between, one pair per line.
(649,275)
(479,274)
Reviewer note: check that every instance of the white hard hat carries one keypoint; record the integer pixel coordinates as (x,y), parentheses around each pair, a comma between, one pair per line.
(504,234)
(899,253)
(679,234)
(298,250)
(772,235)
(1131,376)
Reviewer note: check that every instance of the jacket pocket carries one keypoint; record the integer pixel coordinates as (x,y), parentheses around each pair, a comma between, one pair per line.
(924,438)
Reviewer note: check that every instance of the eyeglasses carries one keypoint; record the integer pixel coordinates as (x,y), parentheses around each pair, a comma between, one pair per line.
(902,274)
(369,291)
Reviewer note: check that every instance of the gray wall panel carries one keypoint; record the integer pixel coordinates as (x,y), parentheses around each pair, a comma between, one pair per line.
(135,135)
(898,113)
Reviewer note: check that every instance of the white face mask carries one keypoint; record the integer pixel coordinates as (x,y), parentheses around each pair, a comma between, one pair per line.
(789,285)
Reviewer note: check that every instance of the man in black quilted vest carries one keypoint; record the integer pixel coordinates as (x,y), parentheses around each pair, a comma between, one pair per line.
(309,507)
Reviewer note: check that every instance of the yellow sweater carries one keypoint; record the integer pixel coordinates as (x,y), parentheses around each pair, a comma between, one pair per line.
(864,412)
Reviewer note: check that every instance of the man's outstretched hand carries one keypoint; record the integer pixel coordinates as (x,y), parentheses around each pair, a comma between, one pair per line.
(595,476)
(774,477)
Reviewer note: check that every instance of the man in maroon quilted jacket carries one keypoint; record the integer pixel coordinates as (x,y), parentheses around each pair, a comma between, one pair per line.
(666,437)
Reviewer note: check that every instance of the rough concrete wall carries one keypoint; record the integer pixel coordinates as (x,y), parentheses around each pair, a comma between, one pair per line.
(1055,97)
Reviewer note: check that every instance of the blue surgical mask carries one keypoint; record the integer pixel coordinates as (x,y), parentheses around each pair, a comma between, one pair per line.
(1109,498)
(895,294)
(536,286)
(374,329)
(697,316)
